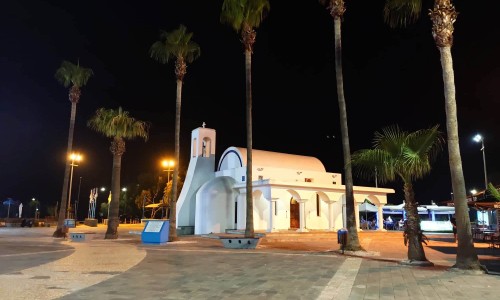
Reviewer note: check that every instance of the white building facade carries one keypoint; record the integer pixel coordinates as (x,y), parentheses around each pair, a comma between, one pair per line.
(290,192)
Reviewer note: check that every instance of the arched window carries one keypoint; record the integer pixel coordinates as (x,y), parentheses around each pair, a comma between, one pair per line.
(205,147)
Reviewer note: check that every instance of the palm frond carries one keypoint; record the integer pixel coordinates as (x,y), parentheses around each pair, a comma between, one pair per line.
(397,153)
(236,13)
(366,162)
(391,139)
(401,13)
(257,11)
(493,191)
(421,149)
(70,74)
(232,13)
(175,44)
(428,142)
(118,124)
(159,52)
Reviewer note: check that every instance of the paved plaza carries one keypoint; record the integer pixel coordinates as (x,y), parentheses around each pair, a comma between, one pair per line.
(34,265)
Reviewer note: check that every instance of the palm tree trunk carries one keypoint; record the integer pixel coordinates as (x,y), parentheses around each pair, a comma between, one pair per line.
(249,229)
(415,249)
(466,254)
(173,218)
(352,237)
(64,197)
(114,205)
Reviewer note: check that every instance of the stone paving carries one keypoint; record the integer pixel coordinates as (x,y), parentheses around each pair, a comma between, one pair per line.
(36,266)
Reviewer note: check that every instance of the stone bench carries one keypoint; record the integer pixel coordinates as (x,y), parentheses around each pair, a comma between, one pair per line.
(240,242)
(81,236)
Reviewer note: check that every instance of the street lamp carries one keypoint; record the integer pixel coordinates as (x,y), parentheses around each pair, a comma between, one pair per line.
(36,206)
(478,138)
(102,189)
(168,164)
(74,157)
(124,190)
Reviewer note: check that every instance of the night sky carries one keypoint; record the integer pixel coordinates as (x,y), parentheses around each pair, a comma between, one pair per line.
(390,77)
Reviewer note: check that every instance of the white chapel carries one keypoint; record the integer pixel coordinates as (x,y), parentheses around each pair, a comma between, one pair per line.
(290,192)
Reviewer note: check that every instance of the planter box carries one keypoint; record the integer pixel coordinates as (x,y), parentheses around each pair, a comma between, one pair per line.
(240,243)
(13,222)
(90,222)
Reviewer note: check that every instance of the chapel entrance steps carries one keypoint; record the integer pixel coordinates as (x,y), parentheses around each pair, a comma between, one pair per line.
(292,235)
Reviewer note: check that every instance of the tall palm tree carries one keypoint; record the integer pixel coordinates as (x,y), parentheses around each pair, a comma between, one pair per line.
(177,45)
(337,9)
(443,16)
(75,76)
(408,156)
(243,16)
(119,126)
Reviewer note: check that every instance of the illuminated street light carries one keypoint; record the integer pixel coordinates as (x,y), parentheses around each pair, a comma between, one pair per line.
(74,157)
(36,207)
(478,138)
(124,190)
(168,164)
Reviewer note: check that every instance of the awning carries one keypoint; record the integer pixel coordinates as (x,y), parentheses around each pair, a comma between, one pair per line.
(367,207)
(484,205)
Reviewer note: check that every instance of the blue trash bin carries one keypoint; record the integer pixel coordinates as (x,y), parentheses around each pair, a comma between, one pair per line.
(342,238)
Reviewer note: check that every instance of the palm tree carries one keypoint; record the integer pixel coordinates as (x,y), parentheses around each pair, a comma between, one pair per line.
(443,16)
(337,10)
(408,156)
(177,45)
(119,126)
(75,76)
(243,16)
(492,190)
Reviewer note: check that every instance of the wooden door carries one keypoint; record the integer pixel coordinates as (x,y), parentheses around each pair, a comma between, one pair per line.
(294,214)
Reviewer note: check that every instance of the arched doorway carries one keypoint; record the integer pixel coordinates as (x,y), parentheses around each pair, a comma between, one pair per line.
(294,214)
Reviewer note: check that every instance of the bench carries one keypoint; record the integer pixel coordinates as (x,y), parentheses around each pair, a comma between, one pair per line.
(81,236)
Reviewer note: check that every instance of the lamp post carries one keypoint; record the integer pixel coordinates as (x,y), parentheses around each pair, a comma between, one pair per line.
(168,164)
(36,206)
(124,190)
(101,214)
(74,157)
(478,138)
(78,199)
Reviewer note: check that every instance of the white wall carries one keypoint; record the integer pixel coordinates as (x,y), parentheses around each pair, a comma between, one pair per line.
(215,206)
